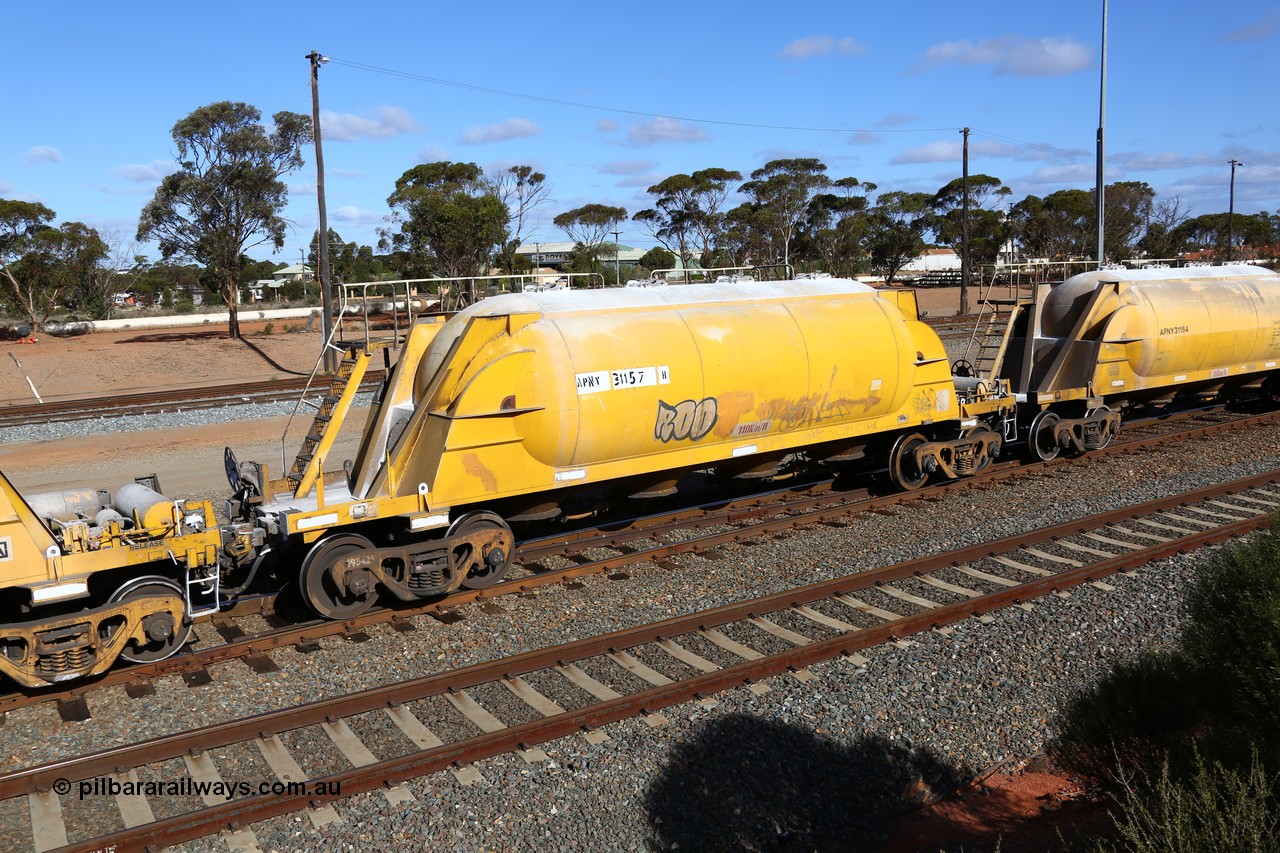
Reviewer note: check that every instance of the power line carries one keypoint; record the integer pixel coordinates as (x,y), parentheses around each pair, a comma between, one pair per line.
(474,88)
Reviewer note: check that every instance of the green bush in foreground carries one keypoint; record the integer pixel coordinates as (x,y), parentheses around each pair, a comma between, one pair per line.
(1187,739)
(1213,809)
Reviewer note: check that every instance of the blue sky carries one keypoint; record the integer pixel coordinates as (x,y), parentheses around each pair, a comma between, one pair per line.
(606,98)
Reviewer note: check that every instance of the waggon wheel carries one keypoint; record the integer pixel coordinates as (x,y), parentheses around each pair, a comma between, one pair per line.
(317,585)
(961,367)
(1104,435)
(487,565)
(1041,441)
(994,444)
(163,637)
(902,468)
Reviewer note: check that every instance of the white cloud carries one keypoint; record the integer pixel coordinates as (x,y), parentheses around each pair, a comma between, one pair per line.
(351,214)
(811,46)
(6,188)
(896,118)
(432,154)
(952,150)
(645,181)
(1014,55)
(1258,29)
(146,173)
(301,187)
(627,167)
(43,154)
(512,128)
(1071,173)
(383,123)
(865,137)
(109,190)
(346,173)
(606,125)
(663,129)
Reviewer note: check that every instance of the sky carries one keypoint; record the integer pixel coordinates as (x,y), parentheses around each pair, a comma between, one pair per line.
(608,99)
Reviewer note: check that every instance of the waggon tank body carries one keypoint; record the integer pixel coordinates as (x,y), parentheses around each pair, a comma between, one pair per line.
(1164,327)
(1111,338)
(524,393)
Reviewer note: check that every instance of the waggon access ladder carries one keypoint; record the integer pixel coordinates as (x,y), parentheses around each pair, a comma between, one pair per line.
(344,382)
(989,339)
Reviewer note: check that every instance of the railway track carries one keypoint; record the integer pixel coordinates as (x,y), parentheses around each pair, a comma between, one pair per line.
(649,539)
(576,688)
(158,402)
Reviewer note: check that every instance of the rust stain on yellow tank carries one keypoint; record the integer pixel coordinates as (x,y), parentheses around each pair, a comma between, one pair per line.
(732,405)
(472,465)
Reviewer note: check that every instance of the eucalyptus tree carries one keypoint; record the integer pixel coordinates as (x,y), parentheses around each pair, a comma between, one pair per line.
(783,190)
(523,190)
(1129,208)
(20,222)
(447,218)
(227,195)
(687,211)
(835,225)
(988,230)
(588,226)
(1059,226)
(895,229)
(45,266)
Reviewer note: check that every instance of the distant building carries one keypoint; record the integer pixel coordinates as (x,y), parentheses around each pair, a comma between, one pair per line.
(556,255)
(933,260)
(294,272)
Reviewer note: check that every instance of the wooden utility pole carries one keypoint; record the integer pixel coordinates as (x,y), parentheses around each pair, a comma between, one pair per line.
(1231,210)
(322,234)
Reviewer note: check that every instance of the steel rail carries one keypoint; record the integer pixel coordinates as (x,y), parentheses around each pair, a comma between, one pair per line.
(811,509)
(274,722)
(391,771)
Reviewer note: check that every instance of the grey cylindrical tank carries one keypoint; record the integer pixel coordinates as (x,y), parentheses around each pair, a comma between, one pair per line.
(152,508)
(68,504)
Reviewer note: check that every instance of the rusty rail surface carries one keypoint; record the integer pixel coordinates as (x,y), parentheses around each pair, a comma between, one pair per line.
(1254,503)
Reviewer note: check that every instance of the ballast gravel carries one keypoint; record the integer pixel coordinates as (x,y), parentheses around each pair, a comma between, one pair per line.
(812,764)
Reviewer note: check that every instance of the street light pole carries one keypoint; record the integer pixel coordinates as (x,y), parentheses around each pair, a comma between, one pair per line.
(322,234)
(964,231)
(1100,192)
(1231,209)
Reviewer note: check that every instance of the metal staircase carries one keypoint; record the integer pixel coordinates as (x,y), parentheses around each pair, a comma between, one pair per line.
(344,382)
(984,353)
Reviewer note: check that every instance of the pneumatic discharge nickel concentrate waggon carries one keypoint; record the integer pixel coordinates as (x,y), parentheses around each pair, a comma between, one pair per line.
(541,405)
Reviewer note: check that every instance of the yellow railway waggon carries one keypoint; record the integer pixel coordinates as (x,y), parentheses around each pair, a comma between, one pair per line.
(1082,351)
(531,406)
(87,577)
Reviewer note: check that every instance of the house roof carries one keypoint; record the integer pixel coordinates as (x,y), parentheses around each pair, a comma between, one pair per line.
(293,269)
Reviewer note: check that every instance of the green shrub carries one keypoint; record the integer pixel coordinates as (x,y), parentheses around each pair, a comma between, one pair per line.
(1212,809)
(184,307)
(269,328)
(1189,739)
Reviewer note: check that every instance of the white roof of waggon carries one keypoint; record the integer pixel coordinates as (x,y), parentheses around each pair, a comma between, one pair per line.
(612,299)
(1178,274)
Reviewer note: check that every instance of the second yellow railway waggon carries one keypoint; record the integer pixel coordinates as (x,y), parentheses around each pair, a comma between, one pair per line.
(1081,351)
